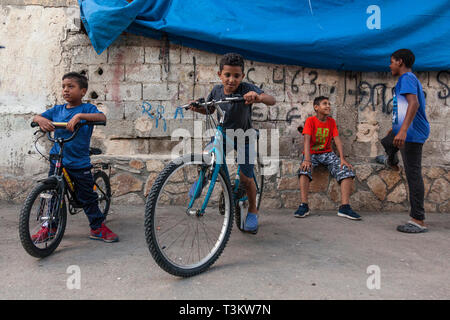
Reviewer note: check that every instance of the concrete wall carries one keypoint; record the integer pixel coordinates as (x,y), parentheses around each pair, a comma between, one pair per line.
(42,41)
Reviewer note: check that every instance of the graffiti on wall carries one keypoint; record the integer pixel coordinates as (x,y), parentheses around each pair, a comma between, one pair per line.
(293,87)
(157,114)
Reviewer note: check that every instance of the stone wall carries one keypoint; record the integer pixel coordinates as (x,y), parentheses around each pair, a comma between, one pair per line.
(138,83)
(375,187)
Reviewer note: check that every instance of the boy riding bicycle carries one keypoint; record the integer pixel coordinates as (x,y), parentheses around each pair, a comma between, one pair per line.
(76,158)
(238,116)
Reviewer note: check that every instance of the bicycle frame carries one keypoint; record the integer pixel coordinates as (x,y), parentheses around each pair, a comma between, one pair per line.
(217,153)
(62,176)
(63,182)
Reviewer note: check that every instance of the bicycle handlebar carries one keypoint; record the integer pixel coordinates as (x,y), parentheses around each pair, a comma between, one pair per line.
(63,125)
(201,103)
(213,102)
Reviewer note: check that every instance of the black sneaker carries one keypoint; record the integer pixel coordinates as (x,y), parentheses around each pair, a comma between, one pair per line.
(347,212)
(302,211)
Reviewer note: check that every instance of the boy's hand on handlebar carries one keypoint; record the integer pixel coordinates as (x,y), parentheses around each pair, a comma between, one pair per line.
(196,106)
(252,97)
(72,123)
(193,106)
(45,124)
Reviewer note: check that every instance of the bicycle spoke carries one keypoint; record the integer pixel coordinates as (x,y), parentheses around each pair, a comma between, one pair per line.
(170,228)
(175,240)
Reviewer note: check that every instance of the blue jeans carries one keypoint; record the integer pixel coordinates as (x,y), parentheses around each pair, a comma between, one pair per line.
(412,160)
(84,188)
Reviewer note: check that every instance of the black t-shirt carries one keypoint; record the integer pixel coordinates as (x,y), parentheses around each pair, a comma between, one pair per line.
(237,115)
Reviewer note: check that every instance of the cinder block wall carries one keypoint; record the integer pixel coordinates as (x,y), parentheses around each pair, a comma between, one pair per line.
(138,83)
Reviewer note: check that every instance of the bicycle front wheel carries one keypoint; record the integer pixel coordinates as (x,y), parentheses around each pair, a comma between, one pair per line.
(42,220)
(102,187)
(183,240)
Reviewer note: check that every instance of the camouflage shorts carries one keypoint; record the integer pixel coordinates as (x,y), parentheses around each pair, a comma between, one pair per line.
(332,162)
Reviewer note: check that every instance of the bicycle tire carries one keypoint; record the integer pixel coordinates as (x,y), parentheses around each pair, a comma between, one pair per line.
(24,219)
(151,227)
(101,175)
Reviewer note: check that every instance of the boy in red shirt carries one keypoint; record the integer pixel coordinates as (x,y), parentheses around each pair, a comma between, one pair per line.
(318,132)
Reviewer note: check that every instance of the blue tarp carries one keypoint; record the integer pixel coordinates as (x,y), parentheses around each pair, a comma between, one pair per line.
(355,35)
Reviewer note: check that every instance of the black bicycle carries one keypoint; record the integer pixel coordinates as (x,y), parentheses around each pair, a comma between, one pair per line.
(43,217)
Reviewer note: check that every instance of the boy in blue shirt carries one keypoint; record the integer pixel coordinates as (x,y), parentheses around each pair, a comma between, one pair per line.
(238,116)
(410,129)
(76,158)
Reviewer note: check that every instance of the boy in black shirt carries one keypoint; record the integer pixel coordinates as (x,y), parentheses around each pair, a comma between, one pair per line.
(238,116)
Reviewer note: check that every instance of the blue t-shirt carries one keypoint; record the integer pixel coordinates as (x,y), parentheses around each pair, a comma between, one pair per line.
(75,152)
(419,129)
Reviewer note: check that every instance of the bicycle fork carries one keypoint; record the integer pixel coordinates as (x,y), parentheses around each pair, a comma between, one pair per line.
(51,203)
(55,201)
(199,186)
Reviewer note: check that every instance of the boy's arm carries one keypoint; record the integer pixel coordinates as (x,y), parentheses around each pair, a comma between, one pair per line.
(413,106)
(84,116)
(253,97)
(340,148)
(267,99)
(306,164)
(44,123)
(202,110)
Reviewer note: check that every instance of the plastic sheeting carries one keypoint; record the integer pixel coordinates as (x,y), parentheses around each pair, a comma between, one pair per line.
(355,35)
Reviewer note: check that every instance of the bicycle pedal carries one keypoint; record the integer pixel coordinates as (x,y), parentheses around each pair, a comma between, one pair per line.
(74,211)
(74,208)
(240,193)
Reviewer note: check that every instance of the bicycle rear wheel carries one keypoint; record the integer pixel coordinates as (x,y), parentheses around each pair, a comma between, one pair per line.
(42,220)
(184,242)
(102,187)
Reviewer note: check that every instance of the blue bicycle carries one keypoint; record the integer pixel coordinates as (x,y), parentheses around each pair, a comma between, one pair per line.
(191,206)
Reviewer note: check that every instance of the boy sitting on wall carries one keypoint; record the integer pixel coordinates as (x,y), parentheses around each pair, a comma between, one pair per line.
(318,132)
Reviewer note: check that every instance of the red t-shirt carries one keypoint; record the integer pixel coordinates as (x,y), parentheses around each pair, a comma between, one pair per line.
(321,134)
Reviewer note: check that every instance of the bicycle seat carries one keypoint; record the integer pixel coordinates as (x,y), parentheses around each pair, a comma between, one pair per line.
(94,151)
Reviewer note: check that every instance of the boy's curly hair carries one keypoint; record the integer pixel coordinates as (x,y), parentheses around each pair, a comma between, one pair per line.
(319,99)
(78,77)
(232,59)
(406,55)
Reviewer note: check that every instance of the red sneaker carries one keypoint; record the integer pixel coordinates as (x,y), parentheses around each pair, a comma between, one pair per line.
(104,233)
(43,235)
